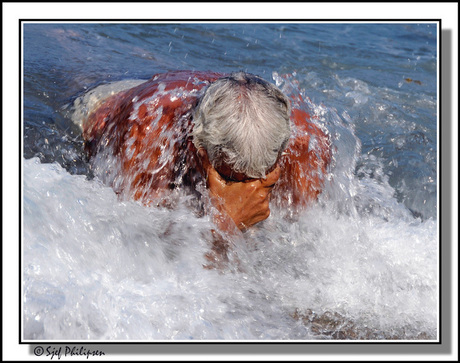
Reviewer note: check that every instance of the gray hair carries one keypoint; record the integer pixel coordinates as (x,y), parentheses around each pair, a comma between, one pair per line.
(242,120)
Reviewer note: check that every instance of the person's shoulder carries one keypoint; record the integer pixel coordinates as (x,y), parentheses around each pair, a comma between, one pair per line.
(305,129)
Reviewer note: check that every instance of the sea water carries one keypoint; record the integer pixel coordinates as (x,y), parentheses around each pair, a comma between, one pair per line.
(362,263)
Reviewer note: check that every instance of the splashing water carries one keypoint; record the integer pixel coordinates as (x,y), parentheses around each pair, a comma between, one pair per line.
(356,265)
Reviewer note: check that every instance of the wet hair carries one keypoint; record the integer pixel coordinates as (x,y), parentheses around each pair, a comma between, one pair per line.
(242,120)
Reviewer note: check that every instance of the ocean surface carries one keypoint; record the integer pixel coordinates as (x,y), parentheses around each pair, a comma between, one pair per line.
(361,264)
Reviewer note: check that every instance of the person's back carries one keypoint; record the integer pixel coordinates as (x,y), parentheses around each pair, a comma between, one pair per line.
(138,139)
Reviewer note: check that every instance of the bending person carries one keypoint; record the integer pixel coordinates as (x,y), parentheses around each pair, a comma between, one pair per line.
(236,133)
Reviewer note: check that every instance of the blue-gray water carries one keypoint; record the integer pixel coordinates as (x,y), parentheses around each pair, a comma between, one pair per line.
(362,263)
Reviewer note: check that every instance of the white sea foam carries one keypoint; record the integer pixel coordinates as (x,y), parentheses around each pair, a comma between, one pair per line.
(102,269)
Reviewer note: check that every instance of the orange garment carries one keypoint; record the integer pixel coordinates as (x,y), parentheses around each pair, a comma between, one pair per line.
(147,129)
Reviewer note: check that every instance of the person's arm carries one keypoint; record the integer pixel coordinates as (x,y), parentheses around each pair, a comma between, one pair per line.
(241,204)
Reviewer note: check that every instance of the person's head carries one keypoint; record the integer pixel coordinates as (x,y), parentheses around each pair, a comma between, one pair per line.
(242,121)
